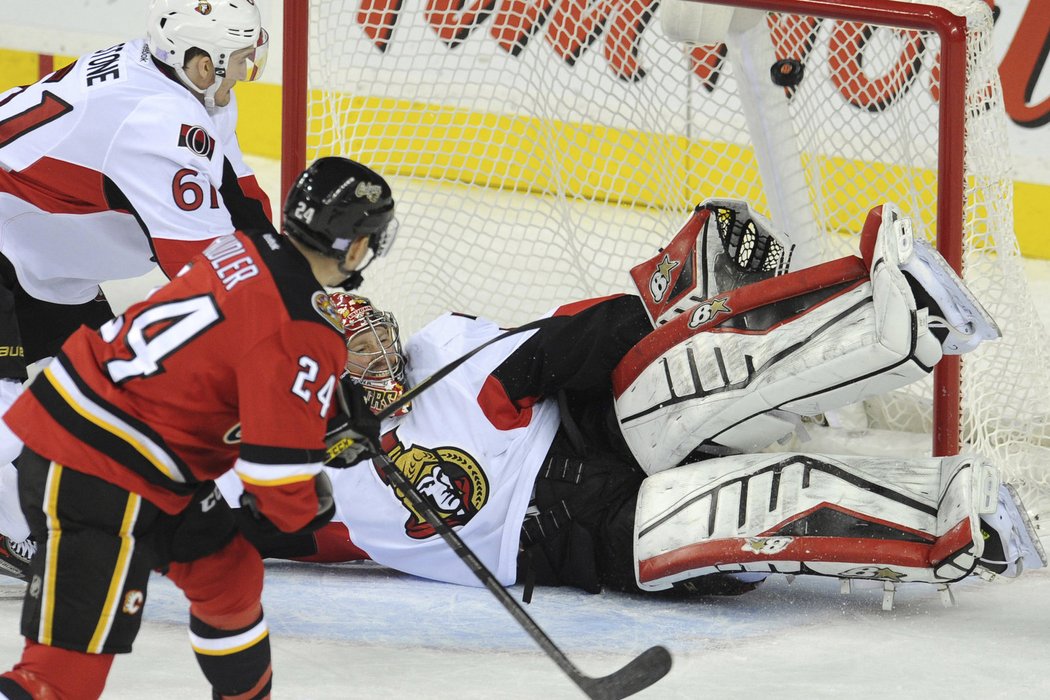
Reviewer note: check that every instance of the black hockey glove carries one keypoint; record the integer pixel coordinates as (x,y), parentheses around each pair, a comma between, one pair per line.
(354,437)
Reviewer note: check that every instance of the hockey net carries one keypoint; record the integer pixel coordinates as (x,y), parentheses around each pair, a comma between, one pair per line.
(540,148)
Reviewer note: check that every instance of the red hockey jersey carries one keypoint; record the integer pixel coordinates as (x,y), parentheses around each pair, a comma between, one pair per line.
(232,364)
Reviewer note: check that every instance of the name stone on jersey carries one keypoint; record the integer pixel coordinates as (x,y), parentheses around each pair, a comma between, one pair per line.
(104,66)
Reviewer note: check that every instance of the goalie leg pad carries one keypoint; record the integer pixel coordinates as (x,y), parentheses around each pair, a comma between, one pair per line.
(805,342)
(850,517)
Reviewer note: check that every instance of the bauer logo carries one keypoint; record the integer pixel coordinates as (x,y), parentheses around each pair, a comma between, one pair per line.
(197,140)
(880,573)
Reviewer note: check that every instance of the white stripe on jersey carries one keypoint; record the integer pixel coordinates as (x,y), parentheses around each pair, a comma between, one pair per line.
(275,474)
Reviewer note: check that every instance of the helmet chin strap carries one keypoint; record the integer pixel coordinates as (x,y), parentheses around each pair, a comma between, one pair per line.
(208,95)
(354,278)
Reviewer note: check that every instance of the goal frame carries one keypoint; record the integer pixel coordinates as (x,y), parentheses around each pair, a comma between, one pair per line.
(951,28)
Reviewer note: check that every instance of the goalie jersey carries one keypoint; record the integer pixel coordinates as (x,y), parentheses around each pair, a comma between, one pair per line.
(109,166)
(474,466)
(231,364)
(475,441)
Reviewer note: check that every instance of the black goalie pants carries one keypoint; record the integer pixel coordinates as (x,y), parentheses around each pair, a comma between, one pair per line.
(585,495)
(31,329)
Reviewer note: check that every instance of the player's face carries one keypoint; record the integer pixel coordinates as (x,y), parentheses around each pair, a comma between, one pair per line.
(245,64)
(371,353)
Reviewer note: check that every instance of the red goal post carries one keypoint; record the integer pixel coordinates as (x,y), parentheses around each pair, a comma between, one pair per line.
(472,103)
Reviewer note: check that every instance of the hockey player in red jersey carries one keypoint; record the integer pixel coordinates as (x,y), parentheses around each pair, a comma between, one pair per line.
(617,445)
(123,160)
(233,364)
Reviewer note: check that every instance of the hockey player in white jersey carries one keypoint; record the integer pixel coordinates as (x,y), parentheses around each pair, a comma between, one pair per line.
(123,160)
(551,477)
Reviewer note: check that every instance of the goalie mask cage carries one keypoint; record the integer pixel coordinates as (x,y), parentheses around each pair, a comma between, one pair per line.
(540,148)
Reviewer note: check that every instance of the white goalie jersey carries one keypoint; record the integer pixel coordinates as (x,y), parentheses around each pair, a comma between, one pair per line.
(473,461)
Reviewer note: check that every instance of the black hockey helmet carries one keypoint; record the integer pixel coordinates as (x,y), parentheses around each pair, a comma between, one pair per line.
(336,201)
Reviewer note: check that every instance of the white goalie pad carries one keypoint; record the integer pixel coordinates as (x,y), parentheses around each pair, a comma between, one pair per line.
(850,517)
(736,372)
(724,245)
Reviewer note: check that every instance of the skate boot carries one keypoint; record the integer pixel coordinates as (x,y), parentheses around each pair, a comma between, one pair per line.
(955,316)
(1011,545)
(15,557)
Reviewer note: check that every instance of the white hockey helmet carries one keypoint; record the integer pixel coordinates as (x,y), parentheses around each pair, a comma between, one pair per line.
(217,27)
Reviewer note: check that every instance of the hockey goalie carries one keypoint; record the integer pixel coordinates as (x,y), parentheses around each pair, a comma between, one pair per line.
(621,444)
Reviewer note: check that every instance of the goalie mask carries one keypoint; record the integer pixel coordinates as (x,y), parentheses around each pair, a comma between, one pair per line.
(337,201)
(374,359)
(229,31)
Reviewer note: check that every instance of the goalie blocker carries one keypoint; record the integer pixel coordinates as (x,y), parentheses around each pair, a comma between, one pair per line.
(929,520)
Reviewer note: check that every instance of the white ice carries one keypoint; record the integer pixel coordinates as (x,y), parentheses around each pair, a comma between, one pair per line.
(360,631)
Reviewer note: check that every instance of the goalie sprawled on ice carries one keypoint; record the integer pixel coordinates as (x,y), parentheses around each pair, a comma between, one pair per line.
(619,445)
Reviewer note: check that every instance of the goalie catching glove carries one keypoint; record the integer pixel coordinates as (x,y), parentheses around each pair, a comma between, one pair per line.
(353,433)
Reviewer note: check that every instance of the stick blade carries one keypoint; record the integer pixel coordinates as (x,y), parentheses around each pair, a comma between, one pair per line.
(644,670)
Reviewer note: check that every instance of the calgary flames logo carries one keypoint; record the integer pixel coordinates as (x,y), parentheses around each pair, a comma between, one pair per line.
(450,480)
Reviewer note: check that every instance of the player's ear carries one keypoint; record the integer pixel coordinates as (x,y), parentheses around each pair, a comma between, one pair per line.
(357,251)
(200,69)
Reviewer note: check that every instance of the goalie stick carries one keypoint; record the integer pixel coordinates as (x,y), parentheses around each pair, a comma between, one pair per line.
(413,392)
(639,673)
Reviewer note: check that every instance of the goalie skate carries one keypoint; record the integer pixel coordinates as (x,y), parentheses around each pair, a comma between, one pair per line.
(1011,544)
(954,314)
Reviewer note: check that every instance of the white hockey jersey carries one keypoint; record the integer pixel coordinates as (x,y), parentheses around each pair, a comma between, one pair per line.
(476,467)
(106,167)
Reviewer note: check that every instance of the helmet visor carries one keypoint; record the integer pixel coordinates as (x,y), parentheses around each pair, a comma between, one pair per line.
(255,60)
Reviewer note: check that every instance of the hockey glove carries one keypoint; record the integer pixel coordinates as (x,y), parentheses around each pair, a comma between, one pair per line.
(353,433)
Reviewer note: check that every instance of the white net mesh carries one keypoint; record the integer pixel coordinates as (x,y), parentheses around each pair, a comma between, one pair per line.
(539,150)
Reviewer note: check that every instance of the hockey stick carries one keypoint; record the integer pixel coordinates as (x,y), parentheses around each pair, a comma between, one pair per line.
(640,673)
(413,392)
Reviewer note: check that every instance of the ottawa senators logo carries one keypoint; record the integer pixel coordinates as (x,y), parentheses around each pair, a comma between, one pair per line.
(197,140)
(450,480)
(203,8)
